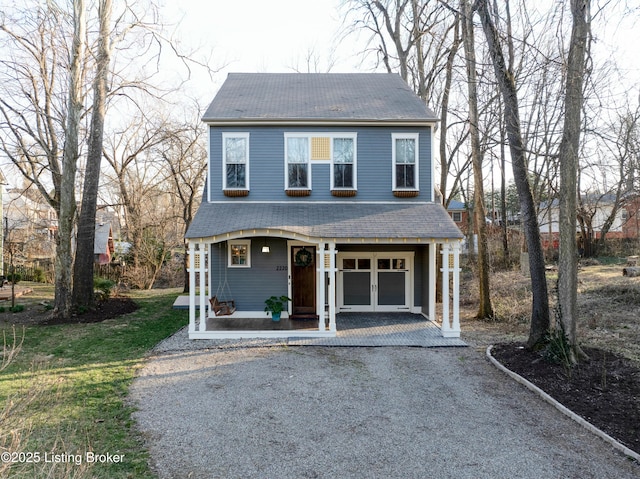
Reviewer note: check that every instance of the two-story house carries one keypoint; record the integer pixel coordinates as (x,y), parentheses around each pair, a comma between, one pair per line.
(320,187)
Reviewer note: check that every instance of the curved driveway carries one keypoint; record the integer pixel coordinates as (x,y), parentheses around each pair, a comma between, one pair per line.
(327,412)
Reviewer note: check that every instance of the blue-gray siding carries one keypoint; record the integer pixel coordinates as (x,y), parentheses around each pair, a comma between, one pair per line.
(268,274)
(266,164)
(249,287)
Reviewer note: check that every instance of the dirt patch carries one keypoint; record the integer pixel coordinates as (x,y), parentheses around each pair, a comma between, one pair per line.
(605,390)
(108,309)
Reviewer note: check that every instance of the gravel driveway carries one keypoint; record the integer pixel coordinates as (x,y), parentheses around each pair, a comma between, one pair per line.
(271,411)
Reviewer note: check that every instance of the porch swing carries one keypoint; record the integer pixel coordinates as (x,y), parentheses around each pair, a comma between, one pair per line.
(224,307)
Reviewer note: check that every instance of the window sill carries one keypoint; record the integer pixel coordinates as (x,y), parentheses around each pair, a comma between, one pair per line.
(298,192)
(406,193)
(343,193)
(235,193)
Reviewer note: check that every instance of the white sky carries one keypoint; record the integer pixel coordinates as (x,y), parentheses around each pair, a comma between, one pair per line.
(277,35)
(265,35)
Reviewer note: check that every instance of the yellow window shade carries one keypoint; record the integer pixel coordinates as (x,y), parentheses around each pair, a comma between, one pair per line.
(321,148)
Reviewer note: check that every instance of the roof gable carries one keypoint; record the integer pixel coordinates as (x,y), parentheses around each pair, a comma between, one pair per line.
(311,97)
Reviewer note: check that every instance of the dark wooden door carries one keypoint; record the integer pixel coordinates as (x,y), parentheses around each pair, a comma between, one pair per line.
(303,279)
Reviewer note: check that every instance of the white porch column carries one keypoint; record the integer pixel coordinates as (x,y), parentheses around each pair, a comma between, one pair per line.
(332,286)
(320,285)
(203,288)
(455,326)
(192,287)
(432,281)
(445,328)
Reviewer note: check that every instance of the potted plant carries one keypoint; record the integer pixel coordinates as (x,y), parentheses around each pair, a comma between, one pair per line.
(275,305)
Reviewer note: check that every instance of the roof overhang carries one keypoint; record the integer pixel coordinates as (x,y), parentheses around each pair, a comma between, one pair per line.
(312,122)
(364,223)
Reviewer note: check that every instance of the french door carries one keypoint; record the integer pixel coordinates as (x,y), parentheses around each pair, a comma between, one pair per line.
(374,281)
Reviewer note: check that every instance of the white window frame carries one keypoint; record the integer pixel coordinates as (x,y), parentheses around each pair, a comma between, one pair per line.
(231,135)
(458,215)
(243,242)
(286,162)
(354,138)
(405,136)
(332,136)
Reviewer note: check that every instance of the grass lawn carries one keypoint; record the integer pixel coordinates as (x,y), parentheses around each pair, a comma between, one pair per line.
(65,393)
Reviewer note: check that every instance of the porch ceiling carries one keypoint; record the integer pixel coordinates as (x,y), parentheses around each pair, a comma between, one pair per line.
(423,221)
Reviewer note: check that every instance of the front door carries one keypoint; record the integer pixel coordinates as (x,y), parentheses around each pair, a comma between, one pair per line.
(303,282)
(374,281)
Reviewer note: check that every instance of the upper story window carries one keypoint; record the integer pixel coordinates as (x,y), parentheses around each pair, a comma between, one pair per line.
(405,161)
(298,174)
(343,175)
(235,158)
(304,149)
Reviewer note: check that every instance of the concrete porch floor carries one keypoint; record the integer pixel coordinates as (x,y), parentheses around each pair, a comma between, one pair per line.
(353,329)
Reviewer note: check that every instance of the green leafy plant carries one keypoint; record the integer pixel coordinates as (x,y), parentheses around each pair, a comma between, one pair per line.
(276,304)
(17,308)
(14,278)
(103,288)
(38,275)
(558,350)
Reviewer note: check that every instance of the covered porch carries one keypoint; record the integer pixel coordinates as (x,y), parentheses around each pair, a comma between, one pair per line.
(360,258)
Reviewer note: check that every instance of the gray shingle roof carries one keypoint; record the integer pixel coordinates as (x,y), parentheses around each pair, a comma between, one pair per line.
(316,97)
(346,220)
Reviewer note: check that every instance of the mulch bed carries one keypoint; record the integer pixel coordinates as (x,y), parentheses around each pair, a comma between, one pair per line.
(108,309)
(605,390)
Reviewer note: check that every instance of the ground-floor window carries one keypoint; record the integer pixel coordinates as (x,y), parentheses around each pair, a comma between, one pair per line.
(240,254)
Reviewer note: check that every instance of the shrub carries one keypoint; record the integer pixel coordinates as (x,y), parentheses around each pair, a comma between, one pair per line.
(103,288)
(14,278)
(38,275)
(17,308)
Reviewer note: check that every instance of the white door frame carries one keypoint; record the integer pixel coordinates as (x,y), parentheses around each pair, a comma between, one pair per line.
(407,256)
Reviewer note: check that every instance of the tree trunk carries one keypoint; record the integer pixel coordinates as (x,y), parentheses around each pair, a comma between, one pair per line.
(83,296)
(569,146)
(485,309)
(64,254)
(540,319)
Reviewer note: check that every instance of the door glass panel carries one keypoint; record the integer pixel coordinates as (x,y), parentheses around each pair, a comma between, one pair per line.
(384,263)
(357,288)
(398,264)
(391,288)
(364,263)
(348,263)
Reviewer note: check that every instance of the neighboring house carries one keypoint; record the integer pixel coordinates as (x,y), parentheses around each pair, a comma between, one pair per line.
(30,224)
(320,187)
(459,214)
(103,245)
(597,209)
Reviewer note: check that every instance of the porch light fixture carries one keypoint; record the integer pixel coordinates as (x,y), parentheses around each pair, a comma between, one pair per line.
(265,248)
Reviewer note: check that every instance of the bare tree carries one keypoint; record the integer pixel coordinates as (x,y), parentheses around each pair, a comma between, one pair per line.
(83,296)
(485,309)
(568,154)
(540,319)
(185,156)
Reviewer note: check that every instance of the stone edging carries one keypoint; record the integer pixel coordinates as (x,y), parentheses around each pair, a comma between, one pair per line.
(567,412)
